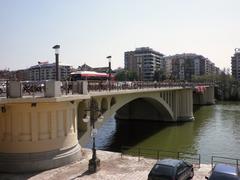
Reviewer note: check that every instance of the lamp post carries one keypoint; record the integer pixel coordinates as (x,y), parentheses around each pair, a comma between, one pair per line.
(109,72)
(39,70)
(140,73)
(57,47)
(94,163)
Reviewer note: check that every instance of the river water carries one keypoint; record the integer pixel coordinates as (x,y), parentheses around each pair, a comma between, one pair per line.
(215,131)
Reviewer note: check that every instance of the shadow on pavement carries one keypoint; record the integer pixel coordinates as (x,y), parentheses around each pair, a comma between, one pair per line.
(86,173)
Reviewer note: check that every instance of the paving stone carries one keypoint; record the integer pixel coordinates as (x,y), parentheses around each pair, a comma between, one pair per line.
(113,167)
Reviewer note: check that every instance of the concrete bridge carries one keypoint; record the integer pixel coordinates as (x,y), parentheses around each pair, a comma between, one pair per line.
(39,133)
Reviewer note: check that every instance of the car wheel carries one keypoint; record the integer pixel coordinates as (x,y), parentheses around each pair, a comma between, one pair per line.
(1,91)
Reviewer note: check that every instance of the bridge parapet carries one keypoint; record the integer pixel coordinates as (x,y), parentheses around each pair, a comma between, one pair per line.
(18,89)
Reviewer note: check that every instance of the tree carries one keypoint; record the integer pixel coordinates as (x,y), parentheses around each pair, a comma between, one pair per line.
(121,76)
(125,75)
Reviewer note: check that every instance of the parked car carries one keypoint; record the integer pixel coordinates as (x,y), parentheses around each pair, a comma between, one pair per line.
(171,169)
(224,172)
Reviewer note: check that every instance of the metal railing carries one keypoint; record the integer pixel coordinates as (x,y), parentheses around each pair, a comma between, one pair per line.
(33,88)
(139,152)
(224,160)
(38,88)
(103,86)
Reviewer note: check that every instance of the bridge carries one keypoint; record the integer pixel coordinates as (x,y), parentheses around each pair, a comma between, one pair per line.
(48,129)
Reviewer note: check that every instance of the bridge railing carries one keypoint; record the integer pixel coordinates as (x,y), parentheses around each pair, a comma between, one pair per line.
(21,88)
(139,152)
(38,88)
(102,86)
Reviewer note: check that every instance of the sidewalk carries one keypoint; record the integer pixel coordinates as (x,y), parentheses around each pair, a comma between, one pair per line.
(113,167)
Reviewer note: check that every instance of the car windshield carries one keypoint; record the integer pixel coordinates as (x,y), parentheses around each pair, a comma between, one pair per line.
(163,170)
(222,176)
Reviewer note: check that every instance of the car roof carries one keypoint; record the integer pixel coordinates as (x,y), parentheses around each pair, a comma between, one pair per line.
(169,162)
(225,168)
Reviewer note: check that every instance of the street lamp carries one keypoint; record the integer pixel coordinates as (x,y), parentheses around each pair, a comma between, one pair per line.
(109,72)
(57,47)
(139,63)
(95,114)
(39,70)
(139,70)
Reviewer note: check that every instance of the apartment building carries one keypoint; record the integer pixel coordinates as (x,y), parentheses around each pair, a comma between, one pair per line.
(185,66)
(235,64)
(145,62)
(47,71)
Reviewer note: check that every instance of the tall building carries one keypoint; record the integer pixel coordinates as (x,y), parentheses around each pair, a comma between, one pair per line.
(185,66)
(48,72)
(168,67)
(145,62)
(236,64)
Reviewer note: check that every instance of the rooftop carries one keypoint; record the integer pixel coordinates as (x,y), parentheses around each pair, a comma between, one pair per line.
(227,169)
(169,162)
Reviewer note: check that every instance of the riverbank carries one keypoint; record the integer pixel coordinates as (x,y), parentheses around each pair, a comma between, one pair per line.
(113,167)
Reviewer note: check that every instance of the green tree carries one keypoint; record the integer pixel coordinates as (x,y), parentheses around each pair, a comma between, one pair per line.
(159,75)
(121,76)
(125,75)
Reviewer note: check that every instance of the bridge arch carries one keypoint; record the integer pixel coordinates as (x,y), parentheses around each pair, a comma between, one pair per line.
(81,112)
(161,107)
(113,101)
(104,105)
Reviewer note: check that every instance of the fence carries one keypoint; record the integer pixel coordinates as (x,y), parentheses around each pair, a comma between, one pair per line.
(193,158)
(225,160)
(38,88)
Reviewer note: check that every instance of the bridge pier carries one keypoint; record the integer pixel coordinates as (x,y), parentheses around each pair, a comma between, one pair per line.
(204,98)
(183,109)
(37,136)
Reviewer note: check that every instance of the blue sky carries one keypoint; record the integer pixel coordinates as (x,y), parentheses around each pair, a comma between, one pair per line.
(90,30)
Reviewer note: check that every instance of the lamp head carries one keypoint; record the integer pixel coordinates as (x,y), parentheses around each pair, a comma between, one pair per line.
(56,47)
(109,58)
(86,118)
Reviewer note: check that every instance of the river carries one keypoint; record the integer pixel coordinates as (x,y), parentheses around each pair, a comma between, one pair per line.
(215,131)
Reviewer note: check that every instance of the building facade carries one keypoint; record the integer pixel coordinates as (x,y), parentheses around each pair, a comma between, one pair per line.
(145,62)
(47,71)
(187,65)
(235,64)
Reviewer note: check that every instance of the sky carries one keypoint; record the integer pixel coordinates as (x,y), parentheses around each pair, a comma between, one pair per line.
(90,30)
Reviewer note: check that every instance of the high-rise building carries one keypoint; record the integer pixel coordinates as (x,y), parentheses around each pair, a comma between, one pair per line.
(168,67)
(185,66)
(145,62)
(236,64)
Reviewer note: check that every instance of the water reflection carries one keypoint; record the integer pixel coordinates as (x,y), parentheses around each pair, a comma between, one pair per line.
(215,131)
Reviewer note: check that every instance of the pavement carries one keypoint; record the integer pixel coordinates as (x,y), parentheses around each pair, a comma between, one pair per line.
(112,167)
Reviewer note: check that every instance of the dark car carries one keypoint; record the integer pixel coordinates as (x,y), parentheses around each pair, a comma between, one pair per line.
(171,169)
(224,172)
